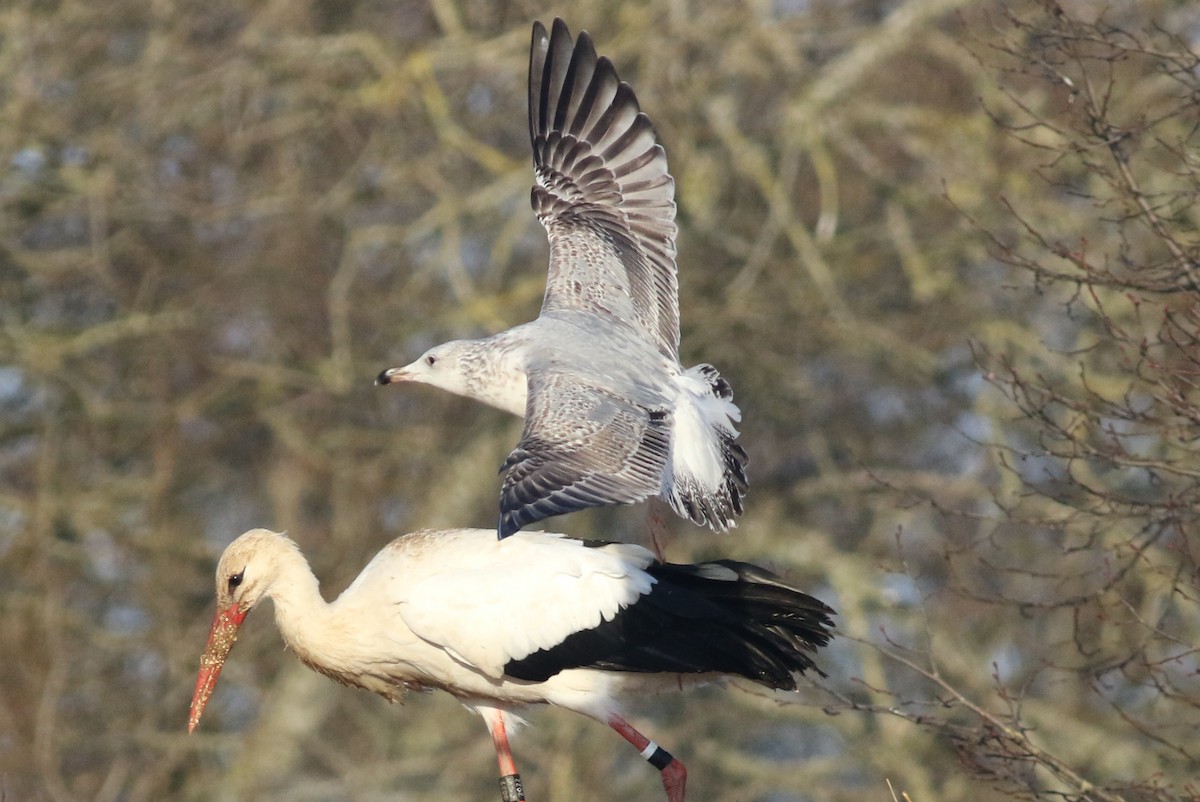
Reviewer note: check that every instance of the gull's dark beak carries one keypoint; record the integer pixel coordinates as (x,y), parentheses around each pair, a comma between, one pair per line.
(391,376)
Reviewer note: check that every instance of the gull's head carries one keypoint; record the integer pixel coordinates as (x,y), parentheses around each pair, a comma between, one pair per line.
(245,574)
(442,366)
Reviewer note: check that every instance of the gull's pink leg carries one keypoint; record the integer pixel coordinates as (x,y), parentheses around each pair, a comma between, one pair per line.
(657,524)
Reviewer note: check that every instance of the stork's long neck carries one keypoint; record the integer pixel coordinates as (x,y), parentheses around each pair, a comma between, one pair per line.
(303,617)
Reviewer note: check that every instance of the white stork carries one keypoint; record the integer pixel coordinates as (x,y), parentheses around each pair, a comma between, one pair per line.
(537,618)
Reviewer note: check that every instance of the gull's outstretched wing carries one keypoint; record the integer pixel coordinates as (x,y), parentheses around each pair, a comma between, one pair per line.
(583,446)
(602,191)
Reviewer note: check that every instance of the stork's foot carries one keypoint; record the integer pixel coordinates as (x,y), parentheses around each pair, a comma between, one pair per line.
(674,778)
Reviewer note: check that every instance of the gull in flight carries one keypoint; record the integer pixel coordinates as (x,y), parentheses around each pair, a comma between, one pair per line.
(611,416)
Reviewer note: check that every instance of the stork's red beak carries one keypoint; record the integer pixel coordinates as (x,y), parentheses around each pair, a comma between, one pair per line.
(221,638)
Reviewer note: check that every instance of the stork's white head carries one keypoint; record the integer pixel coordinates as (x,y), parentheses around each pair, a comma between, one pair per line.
(249,566)
(245,574)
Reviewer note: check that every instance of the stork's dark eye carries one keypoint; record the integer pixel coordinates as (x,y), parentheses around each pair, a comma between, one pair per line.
(236,579)
(429,360)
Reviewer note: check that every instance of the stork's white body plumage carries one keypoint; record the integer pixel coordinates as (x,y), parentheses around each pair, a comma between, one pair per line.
(536,618)
(447,601)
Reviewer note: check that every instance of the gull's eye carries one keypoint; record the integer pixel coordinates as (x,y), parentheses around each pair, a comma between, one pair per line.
(430,360)
(236,579)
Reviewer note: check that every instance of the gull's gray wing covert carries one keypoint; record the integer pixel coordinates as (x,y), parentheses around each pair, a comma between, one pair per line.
(583,446)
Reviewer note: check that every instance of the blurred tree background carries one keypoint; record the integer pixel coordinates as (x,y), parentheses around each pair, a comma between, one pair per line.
(945,251)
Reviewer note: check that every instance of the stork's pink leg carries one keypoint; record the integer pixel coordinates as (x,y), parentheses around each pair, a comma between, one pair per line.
(510,781)
(674,775)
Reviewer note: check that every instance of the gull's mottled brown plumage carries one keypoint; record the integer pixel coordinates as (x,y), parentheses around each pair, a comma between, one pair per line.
(611,417)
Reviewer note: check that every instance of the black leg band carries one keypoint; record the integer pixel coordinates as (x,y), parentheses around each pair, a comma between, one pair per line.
(660,758)
(511,790)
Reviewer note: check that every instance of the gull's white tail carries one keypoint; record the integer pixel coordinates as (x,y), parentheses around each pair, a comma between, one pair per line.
(706,474)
